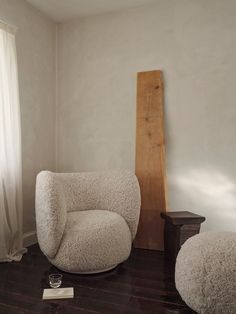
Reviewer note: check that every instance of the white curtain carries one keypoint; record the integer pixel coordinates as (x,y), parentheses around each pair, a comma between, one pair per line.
(11,243)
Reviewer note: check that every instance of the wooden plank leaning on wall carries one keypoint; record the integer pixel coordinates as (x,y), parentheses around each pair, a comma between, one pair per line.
(150,159)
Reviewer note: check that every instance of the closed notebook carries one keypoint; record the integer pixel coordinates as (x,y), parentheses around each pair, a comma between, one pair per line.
(59,293)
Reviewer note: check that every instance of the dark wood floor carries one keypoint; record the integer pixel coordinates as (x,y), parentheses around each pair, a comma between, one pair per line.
(143,284)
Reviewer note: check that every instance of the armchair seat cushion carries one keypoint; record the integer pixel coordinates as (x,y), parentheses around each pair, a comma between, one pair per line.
(93,240)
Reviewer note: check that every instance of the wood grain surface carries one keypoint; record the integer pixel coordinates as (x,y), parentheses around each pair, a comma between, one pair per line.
(150,159)
(143,284)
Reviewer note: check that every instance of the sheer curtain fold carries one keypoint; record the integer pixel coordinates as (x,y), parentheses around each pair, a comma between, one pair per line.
(11,238)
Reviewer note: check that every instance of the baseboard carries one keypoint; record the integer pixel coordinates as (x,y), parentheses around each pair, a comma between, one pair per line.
(29,238)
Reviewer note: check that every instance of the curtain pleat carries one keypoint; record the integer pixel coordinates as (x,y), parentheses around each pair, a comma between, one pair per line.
(11,237)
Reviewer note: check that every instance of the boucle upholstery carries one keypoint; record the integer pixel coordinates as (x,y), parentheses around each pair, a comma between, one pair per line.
(205,273)
(51,214)
(86,221)
(108,241)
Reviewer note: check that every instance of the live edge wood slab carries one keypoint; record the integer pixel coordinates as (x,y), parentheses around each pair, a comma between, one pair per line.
(150,159)
(179,226)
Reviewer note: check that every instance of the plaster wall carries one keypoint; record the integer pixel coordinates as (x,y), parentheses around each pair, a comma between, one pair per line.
(35,44)
(194,43)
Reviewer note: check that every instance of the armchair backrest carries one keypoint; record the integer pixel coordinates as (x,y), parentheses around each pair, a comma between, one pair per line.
(116,191)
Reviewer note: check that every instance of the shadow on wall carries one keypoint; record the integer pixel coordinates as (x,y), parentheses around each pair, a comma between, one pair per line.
(209,193)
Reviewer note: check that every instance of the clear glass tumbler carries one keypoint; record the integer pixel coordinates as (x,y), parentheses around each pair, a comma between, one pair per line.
(55,280)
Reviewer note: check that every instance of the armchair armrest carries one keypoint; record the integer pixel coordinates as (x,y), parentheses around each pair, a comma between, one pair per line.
(120,192)
(51,214)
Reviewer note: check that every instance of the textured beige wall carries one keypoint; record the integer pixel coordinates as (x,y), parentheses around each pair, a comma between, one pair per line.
(35,40)
(193,42)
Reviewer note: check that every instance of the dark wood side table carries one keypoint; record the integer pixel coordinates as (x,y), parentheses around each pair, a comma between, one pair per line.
(179,226)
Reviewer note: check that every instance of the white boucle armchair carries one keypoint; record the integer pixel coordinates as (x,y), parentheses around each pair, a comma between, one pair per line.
(86,222)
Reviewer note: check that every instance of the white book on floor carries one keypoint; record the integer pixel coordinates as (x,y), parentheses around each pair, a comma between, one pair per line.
(58,293)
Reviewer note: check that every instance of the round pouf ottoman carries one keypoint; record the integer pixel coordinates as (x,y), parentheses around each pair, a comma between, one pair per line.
(205,273)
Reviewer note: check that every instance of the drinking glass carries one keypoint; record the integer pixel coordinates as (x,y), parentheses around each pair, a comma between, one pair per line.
(55,280)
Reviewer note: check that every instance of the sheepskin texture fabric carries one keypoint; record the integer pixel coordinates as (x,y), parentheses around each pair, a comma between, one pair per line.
(205,273)
(51,212)
(86,221)
(93,236)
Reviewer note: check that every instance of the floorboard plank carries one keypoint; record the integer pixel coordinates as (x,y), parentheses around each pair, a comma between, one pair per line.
(143,284)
